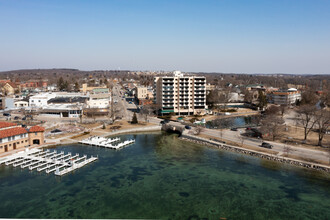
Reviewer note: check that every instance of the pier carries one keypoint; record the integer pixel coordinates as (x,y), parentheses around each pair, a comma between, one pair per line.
(106,142)
(48,161)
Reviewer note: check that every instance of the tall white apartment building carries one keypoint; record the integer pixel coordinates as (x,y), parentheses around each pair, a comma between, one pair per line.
(183,95)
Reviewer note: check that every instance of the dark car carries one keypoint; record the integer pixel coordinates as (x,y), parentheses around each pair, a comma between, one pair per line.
(266,145)
(187,127)
(16,118)
(233,129)
(24,118)
(6,114)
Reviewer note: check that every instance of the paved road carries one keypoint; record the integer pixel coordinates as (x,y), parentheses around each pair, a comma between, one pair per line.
(278,147)
(122,104)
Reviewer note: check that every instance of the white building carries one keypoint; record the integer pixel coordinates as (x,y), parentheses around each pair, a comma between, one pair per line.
(285,97)
(21,104)
(182,95)
(40,100)
(62,111)
(101,100)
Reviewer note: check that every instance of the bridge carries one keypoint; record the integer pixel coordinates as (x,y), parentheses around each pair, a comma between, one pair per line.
(173,128)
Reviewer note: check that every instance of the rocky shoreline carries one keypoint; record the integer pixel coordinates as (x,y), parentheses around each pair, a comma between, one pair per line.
(262,155)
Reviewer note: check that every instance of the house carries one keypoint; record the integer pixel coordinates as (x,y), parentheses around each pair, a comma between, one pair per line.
(13,136)
(10,88)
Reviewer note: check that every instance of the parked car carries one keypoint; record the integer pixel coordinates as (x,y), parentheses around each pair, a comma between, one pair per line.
(16,118)
(187,127)
(266,145)
(6,114)
(233,129)
(24,118)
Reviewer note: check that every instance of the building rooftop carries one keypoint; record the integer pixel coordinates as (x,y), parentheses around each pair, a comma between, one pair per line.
(12,132)
(36,128)
(4,124)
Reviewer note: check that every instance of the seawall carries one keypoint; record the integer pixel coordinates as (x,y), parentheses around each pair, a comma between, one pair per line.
(134,130)
(254,153)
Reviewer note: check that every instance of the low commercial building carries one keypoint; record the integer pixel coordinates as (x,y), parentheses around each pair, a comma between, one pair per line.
(21,104)
(85,88)
(61,111)
(101,100)
(42,100)
(13,136)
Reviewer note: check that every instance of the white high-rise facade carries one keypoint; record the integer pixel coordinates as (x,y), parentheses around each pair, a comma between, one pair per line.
(183,95)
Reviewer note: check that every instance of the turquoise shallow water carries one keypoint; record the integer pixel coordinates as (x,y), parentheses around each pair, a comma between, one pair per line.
(161,177)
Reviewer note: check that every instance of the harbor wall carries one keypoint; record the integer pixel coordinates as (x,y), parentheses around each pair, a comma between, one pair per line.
(267,156)
(134,130)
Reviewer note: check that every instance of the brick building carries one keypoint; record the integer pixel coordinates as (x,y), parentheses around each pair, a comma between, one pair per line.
(13,136)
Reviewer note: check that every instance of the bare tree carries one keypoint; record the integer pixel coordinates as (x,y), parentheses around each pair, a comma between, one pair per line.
(248,96)
(114,112)
(198,130)
(272,125)
(322,124)
(287,149)
(283,109)
(241,139)
(91,112)
(272,110)
(306,118)
(146,111)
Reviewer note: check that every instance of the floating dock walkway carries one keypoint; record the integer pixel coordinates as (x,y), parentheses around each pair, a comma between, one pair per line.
(48,161)
(106,142)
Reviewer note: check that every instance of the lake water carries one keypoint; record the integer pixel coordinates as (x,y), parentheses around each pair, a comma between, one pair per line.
(163,177)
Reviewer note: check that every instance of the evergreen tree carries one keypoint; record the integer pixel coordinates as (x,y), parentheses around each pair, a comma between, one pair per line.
(134,119)
(262,100)
(60,83)
(76,87)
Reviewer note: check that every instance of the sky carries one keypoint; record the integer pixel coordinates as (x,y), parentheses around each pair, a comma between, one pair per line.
(229,36)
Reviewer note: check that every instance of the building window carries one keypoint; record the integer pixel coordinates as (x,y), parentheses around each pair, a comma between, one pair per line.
(17,142)
(9,145)
(35,133)
(22,142)
(0,140)
(9,138)
(25,140)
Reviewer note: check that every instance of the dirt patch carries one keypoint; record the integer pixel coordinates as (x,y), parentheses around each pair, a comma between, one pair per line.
(295,136)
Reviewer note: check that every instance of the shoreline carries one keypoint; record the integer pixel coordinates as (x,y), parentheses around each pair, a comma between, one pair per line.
(206,142)
(262,155)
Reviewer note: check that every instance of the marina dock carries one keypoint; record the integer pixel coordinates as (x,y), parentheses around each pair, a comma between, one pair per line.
(113,143)
(48,161)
